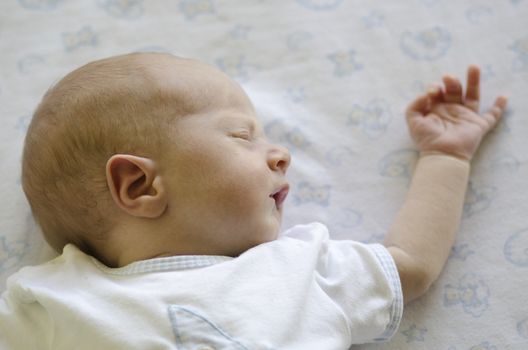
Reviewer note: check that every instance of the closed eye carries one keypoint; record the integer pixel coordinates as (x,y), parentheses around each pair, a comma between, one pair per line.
(242,135)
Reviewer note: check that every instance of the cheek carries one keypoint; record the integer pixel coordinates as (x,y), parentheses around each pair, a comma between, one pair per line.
(226,178)
(241,187)
(240,191)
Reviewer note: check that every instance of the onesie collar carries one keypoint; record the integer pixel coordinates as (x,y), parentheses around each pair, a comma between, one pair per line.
(171,263)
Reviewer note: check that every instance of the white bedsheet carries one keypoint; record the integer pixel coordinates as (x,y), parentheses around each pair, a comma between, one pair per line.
(330,79)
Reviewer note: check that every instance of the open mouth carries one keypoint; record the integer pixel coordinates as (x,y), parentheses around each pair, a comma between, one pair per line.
(280,195)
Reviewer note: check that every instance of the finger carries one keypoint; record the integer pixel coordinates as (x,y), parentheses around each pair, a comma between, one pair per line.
(419,107)
(495,113)
(420,104)
(473,88)
(453,89)
(435,93)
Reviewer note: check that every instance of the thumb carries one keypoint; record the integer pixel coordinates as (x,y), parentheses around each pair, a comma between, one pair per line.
(495,113)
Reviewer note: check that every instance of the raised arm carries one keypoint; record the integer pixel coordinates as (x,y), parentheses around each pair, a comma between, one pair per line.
(447,128)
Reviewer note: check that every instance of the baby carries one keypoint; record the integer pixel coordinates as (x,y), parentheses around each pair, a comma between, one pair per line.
(153,178)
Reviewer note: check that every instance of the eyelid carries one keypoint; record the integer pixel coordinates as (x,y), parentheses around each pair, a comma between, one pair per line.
(243,134)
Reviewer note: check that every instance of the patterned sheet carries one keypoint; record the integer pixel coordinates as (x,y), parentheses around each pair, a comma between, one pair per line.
(330,79)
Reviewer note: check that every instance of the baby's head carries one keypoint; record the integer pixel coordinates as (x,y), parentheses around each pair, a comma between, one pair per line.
(146,155)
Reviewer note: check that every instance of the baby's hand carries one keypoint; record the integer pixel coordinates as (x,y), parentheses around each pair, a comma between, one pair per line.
(444,121)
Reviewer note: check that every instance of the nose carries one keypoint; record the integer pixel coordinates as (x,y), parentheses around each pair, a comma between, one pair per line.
(279,158)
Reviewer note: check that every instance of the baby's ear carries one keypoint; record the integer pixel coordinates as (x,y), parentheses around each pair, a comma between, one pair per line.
(136,186)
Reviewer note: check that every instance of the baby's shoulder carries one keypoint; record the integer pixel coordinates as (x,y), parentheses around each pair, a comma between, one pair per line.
(64,270)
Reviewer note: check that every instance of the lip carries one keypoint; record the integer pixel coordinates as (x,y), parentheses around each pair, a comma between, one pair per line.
(280,195)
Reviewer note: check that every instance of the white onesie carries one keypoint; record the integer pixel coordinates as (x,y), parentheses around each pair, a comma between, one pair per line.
(301,291)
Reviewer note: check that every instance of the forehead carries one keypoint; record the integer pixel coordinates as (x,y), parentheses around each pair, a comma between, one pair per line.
(195,86)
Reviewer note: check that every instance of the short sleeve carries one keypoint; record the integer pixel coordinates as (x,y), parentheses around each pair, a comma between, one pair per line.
(363,282)
(391,274)
(24,323)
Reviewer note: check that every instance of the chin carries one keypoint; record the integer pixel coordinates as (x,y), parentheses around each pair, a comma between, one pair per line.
(274,233)
(270,235)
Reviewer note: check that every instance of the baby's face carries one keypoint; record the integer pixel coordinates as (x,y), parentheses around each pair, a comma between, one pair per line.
(226,181)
